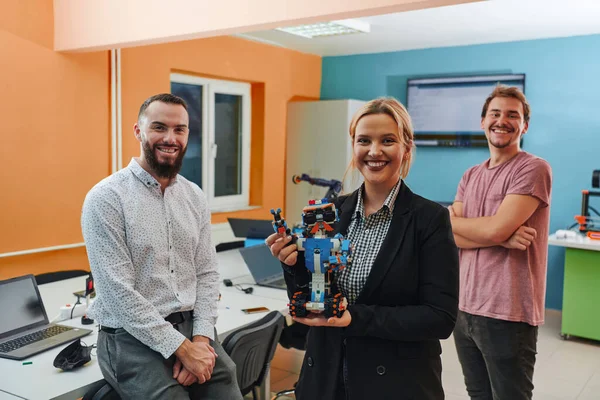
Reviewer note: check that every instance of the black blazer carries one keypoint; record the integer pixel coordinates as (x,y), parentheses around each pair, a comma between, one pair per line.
(409,302)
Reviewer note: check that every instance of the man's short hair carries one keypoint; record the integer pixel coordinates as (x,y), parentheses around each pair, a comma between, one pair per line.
(507,91)
(167,98)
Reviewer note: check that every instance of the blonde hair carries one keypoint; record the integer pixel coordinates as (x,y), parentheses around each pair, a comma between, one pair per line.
(392,107)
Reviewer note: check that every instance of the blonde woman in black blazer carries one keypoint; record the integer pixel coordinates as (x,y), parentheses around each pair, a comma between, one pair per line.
(402,288)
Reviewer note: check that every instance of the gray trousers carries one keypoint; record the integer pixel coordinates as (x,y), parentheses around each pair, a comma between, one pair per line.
(137,372)
(497,357)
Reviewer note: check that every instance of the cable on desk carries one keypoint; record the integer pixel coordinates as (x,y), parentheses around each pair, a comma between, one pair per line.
(75,305)
(247,290)
(228,283)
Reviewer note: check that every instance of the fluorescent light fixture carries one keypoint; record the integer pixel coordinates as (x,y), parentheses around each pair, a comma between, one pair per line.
(333,28)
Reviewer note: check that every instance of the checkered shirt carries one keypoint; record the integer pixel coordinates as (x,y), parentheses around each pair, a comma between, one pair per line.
(366,236)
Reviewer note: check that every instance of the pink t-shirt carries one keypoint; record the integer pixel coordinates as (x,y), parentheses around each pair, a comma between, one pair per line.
(497,282)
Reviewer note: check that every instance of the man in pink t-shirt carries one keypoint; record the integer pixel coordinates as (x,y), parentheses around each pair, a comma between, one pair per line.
(500,221)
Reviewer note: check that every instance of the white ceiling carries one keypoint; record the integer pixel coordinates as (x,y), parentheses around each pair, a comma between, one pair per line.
(473,23)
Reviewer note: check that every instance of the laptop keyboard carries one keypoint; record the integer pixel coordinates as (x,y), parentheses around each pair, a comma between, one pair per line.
(19,342)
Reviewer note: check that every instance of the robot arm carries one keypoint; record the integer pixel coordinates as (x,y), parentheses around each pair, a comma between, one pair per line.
(335,186)
(342,254)
(279,224)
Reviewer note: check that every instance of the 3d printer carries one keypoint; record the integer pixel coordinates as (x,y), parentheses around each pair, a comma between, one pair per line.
(587,223)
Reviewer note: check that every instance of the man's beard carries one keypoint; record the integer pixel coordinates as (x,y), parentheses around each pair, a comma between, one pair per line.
(163,170)
(500,145)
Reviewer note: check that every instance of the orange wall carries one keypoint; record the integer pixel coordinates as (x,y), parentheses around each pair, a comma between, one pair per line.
(55,138)
(56,130)
(277,75)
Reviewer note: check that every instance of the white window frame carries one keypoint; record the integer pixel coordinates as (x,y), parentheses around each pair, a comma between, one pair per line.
(210,87)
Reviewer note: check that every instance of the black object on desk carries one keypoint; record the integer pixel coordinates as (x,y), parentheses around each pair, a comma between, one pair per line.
(251,228)
(89,289)
(586,221)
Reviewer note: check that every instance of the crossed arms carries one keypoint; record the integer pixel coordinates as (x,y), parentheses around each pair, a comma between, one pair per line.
(505,228)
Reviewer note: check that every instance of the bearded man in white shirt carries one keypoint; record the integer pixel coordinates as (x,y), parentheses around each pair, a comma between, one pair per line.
(148,239)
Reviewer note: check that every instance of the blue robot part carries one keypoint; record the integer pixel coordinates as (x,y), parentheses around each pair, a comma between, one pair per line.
(325,254)
(279,224)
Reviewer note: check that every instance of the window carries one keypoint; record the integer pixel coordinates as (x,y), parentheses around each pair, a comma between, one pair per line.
(218,152)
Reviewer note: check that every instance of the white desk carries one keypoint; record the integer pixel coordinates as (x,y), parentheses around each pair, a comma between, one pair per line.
(40,380)
(7,396)
(578,242)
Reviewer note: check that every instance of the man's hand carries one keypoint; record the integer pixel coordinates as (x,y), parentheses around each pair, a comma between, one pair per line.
(521,239)
(183,376)
(287,255)
(197,357)
(202,339)
(452,212)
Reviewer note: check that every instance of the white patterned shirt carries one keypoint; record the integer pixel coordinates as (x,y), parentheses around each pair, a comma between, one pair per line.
(151,255)
(366,236)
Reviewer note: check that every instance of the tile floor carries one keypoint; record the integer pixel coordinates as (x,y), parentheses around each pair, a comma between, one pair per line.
(565,369)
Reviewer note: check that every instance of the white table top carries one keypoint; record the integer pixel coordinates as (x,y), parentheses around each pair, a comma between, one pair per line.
(578,242)
(50,382)
(7,396)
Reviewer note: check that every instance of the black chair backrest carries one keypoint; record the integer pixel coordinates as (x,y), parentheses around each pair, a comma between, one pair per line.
(294,336)
(49,277)
(229,245)
(101,390)
(252,348)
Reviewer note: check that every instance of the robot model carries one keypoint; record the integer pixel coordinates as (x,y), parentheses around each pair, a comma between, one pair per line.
(334,189)
(325,253)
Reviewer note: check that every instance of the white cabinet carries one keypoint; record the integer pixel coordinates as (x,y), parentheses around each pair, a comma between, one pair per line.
(318,144)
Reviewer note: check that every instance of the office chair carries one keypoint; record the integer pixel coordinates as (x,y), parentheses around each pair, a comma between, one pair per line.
(101,390)
(252,348)
(229,245)
(49,277)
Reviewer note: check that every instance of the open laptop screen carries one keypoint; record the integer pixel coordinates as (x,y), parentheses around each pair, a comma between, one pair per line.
(21,307)
(251,228)
(261,263)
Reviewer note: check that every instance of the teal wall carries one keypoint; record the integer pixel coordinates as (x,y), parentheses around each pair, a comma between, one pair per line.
(562,86)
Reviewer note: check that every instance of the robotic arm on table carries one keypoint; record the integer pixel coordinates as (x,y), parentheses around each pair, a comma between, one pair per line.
(335,187)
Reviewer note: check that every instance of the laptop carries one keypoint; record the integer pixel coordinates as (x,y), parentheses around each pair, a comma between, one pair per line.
(251,228)
(24,326)
(265,269)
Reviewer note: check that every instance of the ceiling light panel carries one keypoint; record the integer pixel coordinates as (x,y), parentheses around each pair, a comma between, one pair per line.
(333,28)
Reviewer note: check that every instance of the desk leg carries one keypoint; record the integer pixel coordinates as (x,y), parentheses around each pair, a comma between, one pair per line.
(264,390)
(581,294)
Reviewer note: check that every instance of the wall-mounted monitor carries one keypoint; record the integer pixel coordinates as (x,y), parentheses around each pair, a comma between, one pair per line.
(446,111)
